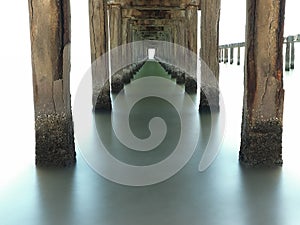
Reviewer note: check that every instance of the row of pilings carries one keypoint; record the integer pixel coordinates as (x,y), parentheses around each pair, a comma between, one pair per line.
(227,52)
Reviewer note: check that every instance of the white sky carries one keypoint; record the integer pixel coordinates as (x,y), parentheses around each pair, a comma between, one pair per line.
(233,20)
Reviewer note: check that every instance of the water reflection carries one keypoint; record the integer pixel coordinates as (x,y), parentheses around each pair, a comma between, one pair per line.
(261,196)
(140,116)
(55,189)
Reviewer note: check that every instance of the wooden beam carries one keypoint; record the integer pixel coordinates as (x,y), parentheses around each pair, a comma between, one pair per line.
(157,4)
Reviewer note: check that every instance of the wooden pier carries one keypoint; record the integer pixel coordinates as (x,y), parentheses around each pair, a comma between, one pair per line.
(289,43)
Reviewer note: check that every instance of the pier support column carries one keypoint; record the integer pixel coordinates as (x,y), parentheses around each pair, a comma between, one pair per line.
(182,42)
(288,53)
(115,29)
(261,143)
(225,55)
(292,55)
(125,49)
(220,55)
(231,55)
(239,56)
(210,15)
(50,53)
(192,21)
(99,46)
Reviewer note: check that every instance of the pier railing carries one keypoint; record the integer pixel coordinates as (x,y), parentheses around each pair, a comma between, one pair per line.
(226,52)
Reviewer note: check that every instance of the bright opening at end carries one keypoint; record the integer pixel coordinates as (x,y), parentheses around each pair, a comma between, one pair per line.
(151,53)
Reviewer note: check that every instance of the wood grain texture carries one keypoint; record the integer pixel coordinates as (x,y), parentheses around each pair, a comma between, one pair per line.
(50,52)
(261,142)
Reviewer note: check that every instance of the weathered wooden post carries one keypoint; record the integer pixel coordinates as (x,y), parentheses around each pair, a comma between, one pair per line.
(231,55)
(192,20)
(220,54)
(239,56)
(292,66)
(125,33)
(50,52)
(182,40)
(288,53)
(129,39)
(226,55)
(115,28)
(261,143)
(99,46)
(210,16)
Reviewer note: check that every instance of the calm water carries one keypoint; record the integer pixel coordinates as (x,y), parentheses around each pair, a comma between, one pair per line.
(224,194)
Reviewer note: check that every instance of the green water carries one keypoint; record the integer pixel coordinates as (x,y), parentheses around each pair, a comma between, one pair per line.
(152,68)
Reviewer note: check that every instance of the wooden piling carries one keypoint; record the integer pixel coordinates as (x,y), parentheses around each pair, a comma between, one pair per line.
(191,24)
(210,17)
(287,54)
(222,54)
(231,55)
(50,53)
(115,28)
(239,56)
(292,66)
(226,55)
(99,46)
(261,143)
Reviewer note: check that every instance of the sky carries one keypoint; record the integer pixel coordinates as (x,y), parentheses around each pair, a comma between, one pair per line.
(233,20)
